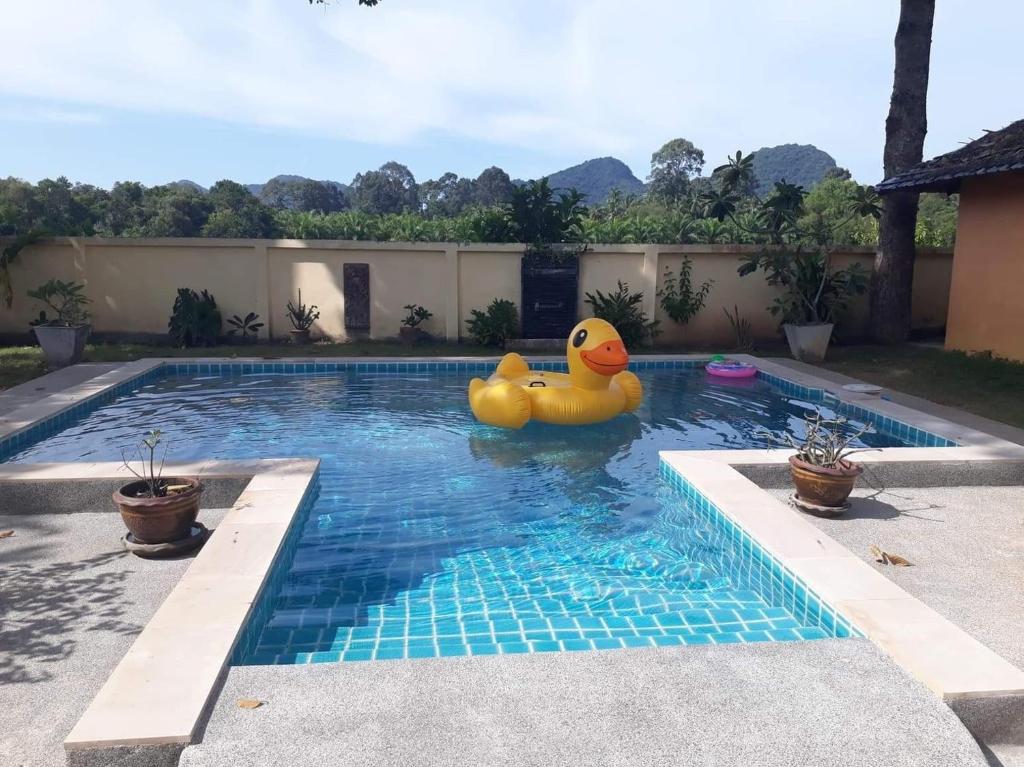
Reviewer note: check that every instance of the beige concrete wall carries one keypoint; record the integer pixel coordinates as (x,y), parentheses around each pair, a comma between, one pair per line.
(133,282)
(986,306)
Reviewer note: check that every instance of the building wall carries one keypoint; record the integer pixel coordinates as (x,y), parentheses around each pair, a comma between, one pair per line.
(986,307)
(132,282)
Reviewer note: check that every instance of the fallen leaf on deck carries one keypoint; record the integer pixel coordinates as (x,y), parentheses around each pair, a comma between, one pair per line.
(886,558)
(249,703)
(6,533)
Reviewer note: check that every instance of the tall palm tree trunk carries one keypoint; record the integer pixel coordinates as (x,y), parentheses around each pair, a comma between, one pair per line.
(905,129)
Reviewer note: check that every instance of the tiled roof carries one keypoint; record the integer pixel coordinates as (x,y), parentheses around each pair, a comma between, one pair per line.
(999,151)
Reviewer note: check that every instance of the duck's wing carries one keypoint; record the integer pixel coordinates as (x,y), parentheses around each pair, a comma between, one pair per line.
(512,365)
(500,404)
(634,390)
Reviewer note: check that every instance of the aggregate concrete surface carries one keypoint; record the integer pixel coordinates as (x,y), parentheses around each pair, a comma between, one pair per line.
(71,603)
(827,702)
(966,548)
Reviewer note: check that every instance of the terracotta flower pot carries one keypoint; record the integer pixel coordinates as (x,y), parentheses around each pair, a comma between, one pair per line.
(411,336)
(824,486)
(300,337)
(159,520)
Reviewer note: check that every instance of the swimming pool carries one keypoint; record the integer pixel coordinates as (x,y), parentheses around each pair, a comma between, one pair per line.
(432,535)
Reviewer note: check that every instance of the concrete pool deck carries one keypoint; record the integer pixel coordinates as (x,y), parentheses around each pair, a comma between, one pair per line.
(501,710)
(72,602)
(824,702)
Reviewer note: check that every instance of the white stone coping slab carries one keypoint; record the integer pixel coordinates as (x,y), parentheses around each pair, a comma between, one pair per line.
(945,658)
(159,691)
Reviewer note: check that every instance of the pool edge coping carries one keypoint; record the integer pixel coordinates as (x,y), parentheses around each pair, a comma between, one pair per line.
(937,652)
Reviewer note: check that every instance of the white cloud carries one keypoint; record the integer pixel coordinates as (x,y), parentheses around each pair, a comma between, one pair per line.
(568,77)
(39,114)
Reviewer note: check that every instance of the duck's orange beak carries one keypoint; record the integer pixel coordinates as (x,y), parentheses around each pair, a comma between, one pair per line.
(607,359)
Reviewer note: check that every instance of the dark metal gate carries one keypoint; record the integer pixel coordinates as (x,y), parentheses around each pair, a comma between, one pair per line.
(549,296)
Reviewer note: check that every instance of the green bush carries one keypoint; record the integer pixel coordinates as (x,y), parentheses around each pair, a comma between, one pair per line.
(623,310)
(495,326)
(195,319)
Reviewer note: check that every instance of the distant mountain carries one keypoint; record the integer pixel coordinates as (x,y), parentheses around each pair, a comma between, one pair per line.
(190,185)
(801,164)
(291,179)
(595,179)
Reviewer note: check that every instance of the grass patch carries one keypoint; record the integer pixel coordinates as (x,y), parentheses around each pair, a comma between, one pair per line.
(985,386)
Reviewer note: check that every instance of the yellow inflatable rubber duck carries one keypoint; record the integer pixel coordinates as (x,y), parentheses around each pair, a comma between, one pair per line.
(596,388)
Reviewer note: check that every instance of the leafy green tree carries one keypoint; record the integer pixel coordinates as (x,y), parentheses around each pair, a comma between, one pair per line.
(829,203)
(672,167)
(493,187)
(737,175)
(392,189)
(126,210)
(237,213)
(20,209)
(305,194)
(936,220)
(447,196)
(176,212)
(539,219)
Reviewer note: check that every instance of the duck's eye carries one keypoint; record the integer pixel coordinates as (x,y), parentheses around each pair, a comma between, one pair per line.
(579,338)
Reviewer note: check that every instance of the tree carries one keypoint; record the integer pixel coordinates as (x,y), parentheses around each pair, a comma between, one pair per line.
(672,167)
(126,213)
(175,212)
(905,129)
(303,194)
(493,187)
(446,197)
(237,213)
(392,189)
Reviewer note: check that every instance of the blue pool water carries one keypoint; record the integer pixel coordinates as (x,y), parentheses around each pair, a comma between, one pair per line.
(433,535)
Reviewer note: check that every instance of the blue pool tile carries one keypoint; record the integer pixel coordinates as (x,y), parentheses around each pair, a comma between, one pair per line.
(389,653)
(351,655)
(421,651)
(576,644)
(448,651)
(484,649)
(545,646)
(514,647)
(606,643)
(636,641)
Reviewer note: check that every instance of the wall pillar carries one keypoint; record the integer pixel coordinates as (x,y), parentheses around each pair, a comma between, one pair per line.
(650,280)
(451,308)
(261,258)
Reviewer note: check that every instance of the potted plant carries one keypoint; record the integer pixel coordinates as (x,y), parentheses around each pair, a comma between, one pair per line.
(411,332)
(63,335)
(822,472)
(302,317)
(157,509)
(246,328)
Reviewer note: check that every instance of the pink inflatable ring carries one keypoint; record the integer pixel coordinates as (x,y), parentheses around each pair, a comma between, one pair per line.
(731,369)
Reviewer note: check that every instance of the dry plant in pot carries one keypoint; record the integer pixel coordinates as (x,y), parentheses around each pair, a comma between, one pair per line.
(157,509)
(822,472)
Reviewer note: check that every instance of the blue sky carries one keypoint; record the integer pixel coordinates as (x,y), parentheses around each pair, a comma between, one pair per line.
(201,89)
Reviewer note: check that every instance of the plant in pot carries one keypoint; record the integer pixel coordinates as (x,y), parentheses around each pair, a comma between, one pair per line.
(246,328)
(63,334)
(796,251)
(157,509)
(822,472)
(411,332)
(302,318)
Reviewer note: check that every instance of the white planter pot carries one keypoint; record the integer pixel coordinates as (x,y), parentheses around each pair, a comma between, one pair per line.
(62,346)
(808,343)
